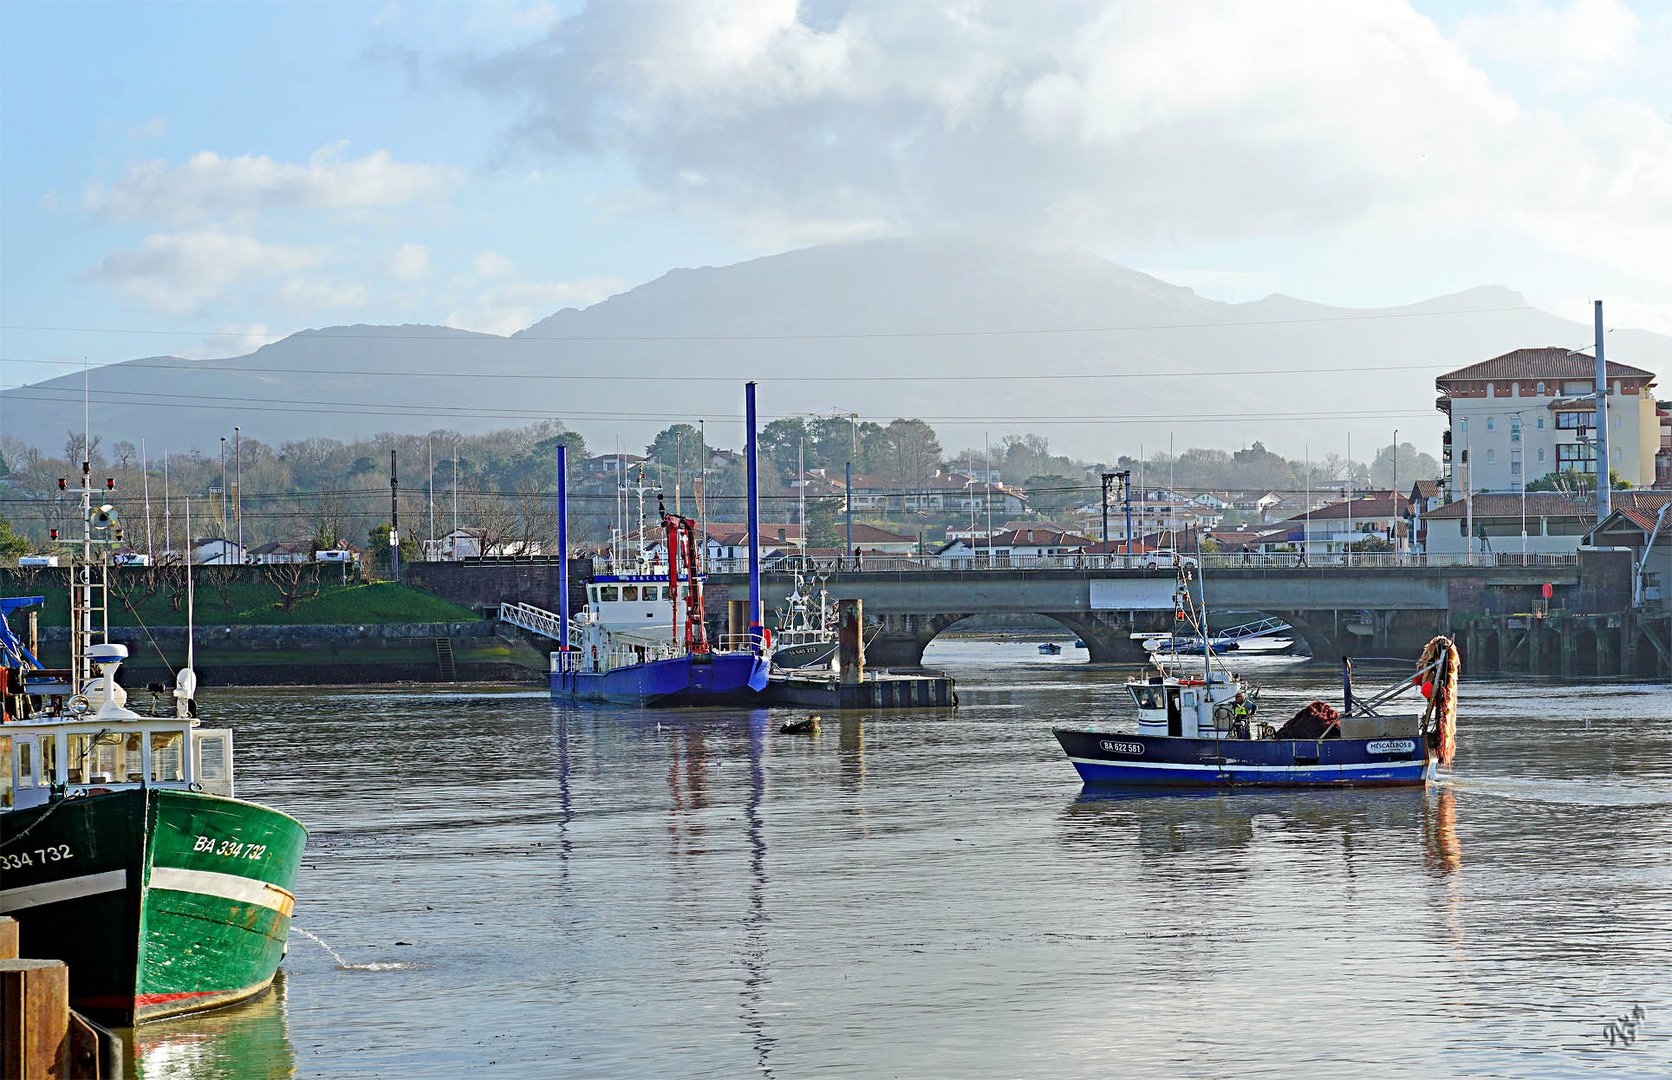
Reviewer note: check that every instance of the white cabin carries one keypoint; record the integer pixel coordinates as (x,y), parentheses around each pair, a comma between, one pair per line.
(1185,706)
(95,744)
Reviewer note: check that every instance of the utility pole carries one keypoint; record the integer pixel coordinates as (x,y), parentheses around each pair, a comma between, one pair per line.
(1126,499)
(238,486)
(1107,478)
(223,487)
(145,479)
(394,521)
(1603,496)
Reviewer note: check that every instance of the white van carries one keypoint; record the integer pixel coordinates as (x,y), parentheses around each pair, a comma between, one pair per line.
(37,560)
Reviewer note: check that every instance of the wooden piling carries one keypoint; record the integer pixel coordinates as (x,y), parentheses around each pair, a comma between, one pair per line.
(850,639)
(35,1017)
(41,1038)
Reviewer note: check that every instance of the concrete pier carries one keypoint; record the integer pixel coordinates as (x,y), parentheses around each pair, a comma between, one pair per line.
(1568,646)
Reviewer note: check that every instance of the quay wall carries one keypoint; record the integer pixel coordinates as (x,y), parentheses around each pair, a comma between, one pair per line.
(319,655)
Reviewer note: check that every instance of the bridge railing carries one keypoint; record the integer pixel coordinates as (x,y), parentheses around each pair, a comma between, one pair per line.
(1212,561)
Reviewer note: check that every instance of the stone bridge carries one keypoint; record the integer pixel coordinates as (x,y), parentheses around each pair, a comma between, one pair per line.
(1364,611)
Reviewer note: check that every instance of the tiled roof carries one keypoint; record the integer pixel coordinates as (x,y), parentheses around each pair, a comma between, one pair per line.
(1547,363)
(1539,504)
(1426,489)
(1375,506)
(1039,538)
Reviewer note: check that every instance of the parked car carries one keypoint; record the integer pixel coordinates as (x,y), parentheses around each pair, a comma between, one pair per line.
(1168,559)
(131,558)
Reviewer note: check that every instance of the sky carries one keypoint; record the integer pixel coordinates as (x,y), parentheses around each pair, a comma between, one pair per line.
(198,179)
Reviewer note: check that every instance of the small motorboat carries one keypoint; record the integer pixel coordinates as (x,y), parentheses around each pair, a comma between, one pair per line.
(1049,648)
(1079,643)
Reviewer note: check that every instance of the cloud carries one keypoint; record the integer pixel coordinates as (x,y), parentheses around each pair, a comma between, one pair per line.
(1569,46)
(516,306)
(317,295)
(232,339)
(1110,124)
(410,262)
(208,187)
(179,273)
(154,128)
(490,264)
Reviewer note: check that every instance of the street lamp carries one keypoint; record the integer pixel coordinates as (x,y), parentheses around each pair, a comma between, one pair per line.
(1518,459)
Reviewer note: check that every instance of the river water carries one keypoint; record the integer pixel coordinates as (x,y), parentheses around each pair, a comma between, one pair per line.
(526,890)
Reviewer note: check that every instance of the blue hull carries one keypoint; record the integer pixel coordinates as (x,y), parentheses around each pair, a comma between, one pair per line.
(711,679)
(1161,760)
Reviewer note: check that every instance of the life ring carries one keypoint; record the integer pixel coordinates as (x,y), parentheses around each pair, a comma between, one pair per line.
(1192,682)
(1223,712)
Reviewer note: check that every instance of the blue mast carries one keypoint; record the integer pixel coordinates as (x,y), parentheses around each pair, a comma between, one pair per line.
(563,541)
(750,452)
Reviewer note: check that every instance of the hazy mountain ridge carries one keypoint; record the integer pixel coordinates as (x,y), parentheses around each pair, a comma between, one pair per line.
(945,307)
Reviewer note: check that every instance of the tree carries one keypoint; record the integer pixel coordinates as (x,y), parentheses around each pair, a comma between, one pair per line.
(914,452)
(377,553)
(11,544)
(781,443)
(294,582)
(1413,465)
(1053,493)
(824,523)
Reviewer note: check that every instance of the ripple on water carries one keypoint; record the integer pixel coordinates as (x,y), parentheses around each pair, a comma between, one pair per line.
(576,892)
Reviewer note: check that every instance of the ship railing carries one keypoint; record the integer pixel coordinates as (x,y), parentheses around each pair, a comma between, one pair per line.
(1319,561)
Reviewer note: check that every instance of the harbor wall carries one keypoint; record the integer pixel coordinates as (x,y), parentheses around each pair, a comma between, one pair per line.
(319,655)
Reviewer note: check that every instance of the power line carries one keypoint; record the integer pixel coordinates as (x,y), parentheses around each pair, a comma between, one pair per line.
(338,408)
(476,336)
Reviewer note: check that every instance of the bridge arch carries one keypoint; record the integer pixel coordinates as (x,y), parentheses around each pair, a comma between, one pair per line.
(901,639)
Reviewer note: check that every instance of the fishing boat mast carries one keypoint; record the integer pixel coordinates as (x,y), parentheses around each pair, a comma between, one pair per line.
(756,620)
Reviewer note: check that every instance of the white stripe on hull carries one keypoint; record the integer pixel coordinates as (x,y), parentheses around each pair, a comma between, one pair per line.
(54,892)
(1229,766)
(242,890)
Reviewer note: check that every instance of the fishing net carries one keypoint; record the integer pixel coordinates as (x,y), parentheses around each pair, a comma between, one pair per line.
(1440,688)
(1318,720)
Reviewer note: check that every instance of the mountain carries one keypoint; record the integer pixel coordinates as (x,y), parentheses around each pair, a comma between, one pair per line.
(902,327)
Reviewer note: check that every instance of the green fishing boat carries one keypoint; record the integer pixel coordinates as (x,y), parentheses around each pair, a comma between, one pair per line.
(123,849)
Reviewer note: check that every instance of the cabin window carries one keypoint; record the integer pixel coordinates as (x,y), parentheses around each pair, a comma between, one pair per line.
(168,759)
(607,593)
(630,592)
(6,772)
(49,760)
(1148,697)
(109,758)
(592,593)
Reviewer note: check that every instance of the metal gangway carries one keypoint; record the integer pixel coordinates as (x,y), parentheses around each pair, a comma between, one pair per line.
(535,620)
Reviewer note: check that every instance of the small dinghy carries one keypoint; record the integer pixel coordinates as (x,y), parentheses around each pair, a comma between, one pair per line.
(1049,648)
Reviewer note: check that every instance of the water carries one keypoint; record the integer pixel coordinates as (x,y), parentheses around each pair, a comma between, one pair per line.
(511,888)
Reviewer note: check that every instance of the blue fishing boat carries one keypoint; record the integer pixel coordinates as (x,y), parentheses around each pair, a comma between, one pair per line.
(1201,729)
(1049,648)
(642,638)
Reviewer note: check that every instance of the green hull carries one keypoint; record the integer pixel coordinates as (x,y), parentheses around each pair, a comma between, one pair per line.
(161,901)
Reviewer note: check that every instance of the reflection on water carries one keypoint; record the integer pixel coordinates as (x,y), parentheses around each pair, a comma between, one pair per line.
(537,890)
(247,1040)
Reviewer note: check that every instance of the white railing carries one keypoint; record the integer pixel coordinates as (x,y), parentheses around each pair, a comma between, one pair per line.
(535,620)
(1214,561)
